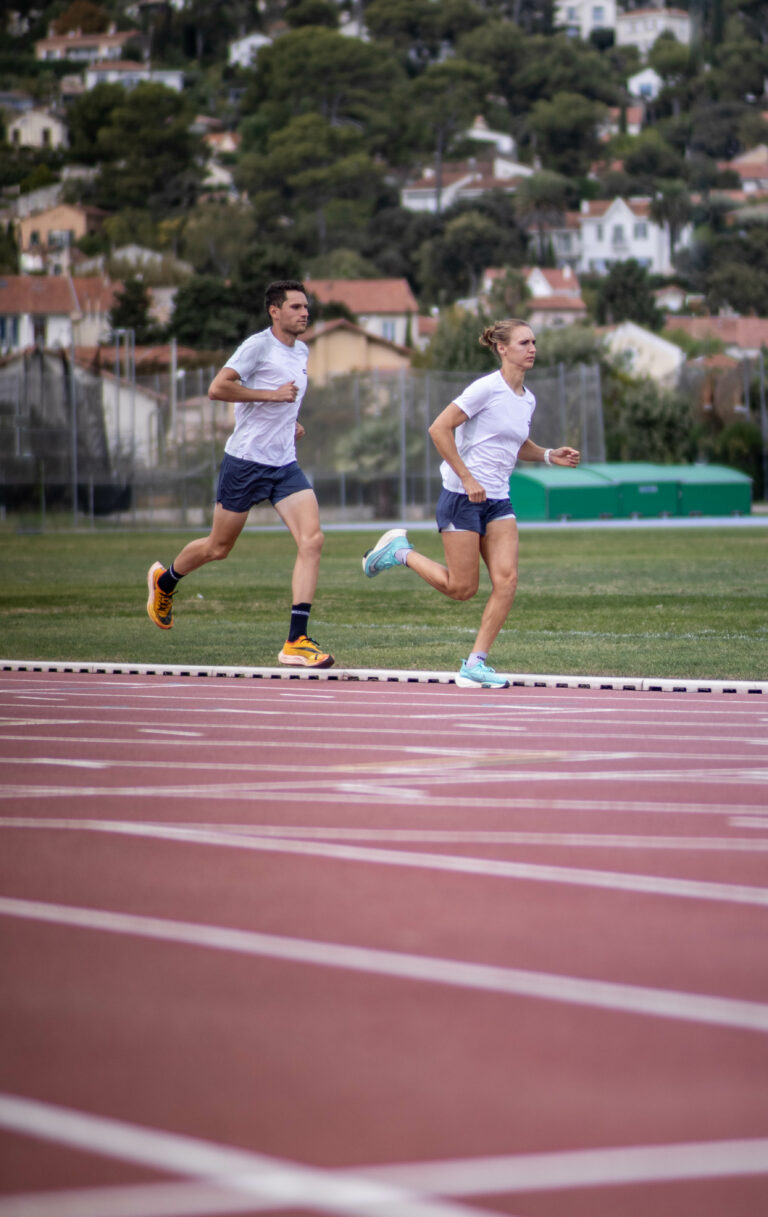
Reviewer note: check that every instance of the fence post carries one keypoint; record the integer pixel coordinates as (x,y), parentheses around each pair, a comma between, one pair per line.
(763,422)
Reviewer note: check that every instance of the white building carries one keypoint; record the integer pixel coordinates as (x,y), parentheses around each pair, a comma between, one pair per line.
(243,51)
(646,84)
(581,17)
(86,48)
(644,353)
(462,181)
(127,73)
(619,229)
(37,129)
(641,27)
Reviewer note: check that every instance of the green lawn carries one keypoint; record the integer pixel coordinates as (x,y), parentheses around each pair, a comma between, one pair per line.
(647,602)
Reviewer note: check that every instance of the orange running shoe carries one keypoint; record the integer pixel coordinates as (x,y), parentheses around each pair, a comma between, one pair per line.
(305,653)
(159,604)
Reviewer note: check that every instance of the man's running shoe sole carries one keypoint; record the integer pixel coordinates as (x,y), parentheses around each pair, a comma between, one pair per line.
(155,569)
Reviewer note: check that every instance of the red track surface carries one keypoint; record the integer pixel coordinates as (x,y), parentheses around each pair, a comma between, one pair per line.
(394,949)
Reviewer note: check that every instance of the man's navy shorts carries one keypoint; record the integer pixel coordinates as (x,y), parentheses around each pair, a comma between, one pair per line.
(243,484)
(455,513)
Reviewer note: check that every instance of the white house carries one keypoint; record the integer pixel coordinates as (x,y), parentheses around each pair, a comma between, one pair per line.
(462,180)
(243,51)
(641,27)
(502,141)
(555,298)
(85,48)
(127,73)
(646,84)
(37,129)
(645,353)
(53,311)
(581,17)
(619,229)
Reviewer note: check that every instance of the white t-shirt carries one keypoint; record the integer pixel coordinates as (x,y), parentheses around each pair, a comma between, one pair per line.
(265,431)
(498,424)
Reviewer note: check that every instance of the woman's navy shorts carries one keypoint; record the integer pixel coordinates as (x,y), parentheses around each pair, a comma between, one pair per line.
(243,484)
(455,513)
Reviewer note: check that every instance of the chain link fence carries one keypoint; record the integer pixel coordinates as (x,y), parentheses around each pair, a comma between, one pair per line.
(111,448)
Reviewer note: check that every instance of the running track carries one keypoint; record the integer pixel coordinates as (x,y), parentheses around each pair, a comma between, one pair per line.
(365,947)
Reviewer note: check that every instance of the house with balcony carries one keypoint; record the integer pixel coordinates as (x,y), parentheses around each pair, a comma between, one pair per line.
(619,229)
(640,27)
(85,48)
(46,238)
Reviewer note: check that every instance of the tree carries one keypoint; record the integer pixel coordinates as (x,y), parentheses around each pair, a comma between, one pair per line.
(343,80)
(88,116)
(208,315)
(151,159)
(313,167)
(565,132)
(444,100)
(82,16)
(412,26)
(130,311)
(625,294)
(541,200)
(215,235)
(455,345)
(312,12)
(672,208)
(648,423)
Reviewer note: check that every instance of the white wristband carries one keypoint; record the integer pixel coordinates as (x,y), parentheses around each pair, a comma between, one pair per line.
(547,456)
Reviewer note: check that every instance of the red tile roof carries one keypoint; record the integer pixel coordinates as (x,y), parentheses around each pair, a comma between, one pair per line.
(365,296)
(749,333)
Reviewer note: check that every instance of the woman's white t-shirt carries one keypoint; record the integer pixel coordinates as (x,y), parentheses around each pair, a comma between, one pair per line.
(265,431)
(498,424)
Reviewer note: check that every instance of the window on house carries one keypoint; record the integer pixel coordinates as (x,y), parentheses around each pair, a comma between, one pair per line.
(617,234)
(388,330)
(34,237)
(46,134)
(641,230)
(599,232)
(598,15)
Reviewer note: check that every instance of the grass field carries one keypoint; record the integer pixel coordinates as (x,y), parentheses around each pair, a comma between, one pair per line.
(647,602)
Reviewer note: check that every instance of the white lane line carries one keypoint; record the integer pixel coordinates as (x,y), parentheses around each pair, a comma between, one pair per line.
(552,1171)
(440,836)
(617,881)
(279,1182)
(582,1168)
(649,885)
(543,986)
(133,1200)
(296,792)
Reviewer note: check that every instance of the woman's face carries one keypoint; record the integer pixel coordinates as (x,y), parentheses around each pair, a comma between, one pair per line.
(520,351)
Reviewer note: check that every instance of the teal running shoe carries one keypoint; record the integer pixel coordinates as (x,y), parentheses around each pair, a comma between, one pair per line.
(480,676)
(382,556)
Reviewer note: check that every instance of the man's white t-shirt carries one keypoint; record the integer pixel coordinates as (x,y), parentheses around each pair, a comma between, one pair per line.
(498,424)
(265,431)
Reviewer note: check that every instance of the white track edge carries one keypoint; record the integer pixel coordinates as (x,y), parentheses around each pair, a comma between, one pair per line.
(637,684)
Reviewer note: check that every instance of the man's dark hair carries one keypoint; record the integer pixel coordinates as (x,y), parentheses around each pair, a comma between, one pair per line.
(277,292)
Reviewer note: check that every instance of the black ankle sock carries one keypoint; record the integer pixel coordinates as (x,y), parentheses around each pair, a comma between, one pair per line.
(299,621)
(168,580)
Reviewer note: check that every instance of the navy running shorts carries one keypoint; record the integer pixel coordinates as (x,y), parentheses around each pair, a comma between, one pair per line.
(455,513)
(243,484)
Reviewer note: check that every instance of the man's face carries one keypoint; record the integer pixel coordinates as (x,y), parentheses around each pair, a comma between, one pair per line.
(292,316)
